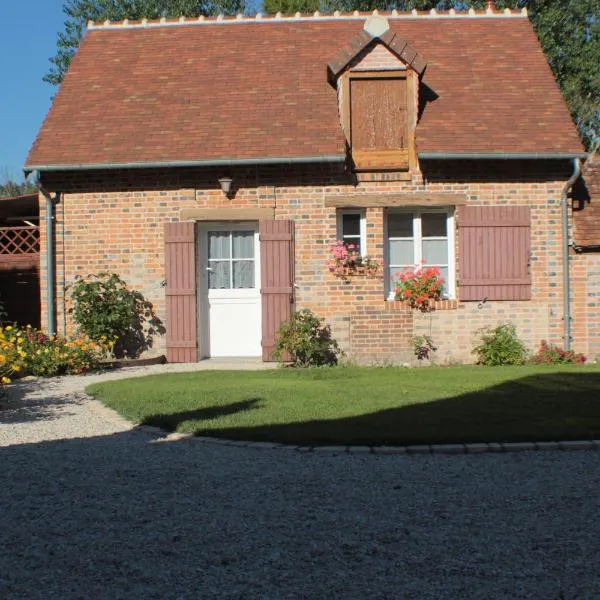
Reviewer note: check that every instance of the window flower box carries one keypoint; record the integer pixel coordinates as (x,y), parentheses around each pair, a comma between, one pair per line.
(420,287)
(346,262)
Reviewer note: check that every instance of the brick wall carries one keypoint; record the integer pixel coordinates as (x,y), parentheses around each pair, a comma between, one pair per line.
(113,221)
(376,58)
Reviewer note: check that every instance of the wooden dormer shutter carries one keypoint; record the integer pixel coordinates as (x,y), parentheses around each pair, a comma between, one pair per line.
(379,121)
(379,114)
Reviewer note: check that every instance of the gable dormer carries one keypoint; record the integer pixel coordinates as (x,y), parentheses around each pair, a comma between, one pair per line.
(377,77)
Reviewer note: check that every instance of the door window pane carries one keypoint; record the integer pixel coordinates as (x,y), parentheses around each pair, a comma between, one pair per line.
(243,274)
(400,225)
(435,252)
(218,244)
(231,262)
(243,244)
(434,224)
(218,274)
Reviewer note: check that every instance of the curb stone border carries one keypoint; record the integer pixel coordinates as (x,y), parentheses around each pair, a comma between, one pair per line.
(474,448)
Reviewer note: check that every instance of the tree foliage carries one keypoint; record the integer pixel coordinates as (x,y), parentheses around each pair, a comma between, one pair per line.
(9,186)
(79,12)
(569,31)
(291,7)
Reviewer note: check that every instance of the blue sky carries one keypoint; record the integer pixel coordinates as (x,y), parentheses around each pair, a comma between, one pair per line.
(27,40)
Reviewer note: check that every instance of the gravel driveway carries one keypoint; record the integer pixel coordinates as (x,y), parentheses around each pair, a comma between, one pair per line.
(92,508)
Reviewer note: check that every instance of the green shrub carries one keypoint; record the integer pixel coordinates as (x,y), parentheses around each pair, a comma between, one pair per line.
(501,346)
(307,341)
(105,308)
(548,354)
(423,347)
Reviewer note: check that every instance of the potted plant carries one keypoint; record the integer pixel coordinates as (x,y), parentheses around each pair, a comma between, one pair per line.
(420,287)
(346,261)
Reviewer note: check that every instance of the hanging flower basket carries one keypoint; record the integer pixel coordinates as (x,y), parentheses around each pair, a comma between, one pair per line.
(420,287)
(346,262)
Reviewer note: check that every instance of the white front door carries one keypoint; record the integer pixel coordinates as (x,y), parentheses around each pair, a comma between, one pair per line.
(230,315)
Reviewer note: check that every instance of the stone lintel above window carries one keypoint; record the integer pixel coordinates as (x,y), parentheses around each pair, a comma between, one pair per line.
(419,199)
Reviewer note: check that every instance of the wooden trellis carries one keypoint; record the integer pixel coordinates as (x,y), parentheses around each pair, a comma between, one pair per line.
(15,241)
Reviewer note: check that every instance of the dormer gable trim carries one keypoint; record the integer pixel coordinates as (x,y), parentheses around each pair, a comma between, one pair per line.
(392,41)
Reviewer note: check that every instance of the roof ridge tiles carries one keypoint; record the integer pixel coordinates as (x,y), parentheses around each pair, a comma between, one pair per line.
(316,16)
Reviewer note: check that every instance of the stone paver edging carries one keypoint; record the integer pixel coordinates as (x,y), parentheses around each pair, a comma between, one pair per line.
(474,448)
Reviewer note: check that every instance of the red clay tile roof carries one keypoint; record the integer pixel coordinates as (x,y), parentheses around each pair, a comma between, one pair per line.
(259,89)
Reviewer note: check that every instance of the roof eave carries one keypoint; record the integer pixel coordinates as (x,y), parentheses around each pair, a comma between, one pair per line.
(219,162)
(500,155)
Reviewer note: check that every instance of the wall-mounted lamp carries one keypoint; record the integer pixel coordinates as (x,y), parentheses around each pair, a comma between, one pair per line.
(225,183)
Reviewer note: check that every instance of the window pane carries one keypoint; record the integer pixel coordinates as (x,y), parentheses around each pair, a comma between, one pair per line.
(435,252)
(218,275)
(243,274)
(434,224)
(444,273)
(350,225)
(218,244)
(394,272)
(243,244)
(402,252)
(400,225)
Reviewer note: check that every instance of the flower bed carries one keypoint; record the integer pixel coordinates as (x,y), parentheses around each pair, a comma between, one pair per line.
(28,351)
(549,354)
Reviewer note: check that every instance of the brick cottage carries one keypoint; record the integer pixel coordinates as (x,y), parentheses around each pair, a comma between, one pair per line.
(211,163)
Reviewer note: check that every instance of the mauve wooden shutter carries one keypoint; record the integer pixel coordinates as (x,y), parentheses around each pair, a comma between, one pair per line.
(180,265)
(494,253)
(379,114)
(277,279)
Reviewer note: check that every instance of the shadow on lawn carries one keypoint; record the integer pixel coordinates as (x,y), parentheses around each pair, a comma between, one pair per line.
(539,407)
(172,421)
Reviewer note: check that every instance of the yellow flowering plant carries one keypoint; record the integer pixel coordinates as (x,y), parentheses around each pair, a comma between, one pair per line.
(32,352)
(10,360)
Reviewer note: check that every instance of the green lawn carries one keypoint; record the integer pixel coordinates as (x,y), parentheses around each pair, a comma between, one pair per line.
(368,405)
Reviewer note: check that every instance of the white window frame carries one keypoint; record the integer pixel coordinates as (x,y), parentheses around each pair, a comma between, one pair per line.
(418,246)
(363,227)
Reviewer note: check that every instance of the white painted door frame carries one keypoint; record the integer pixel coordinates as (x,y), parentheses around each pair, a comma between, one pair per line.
(228,319)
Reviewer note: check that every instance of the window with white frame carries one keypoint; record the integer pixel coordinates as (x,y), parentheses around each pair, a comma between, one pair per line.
(352,229)
(420,237)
